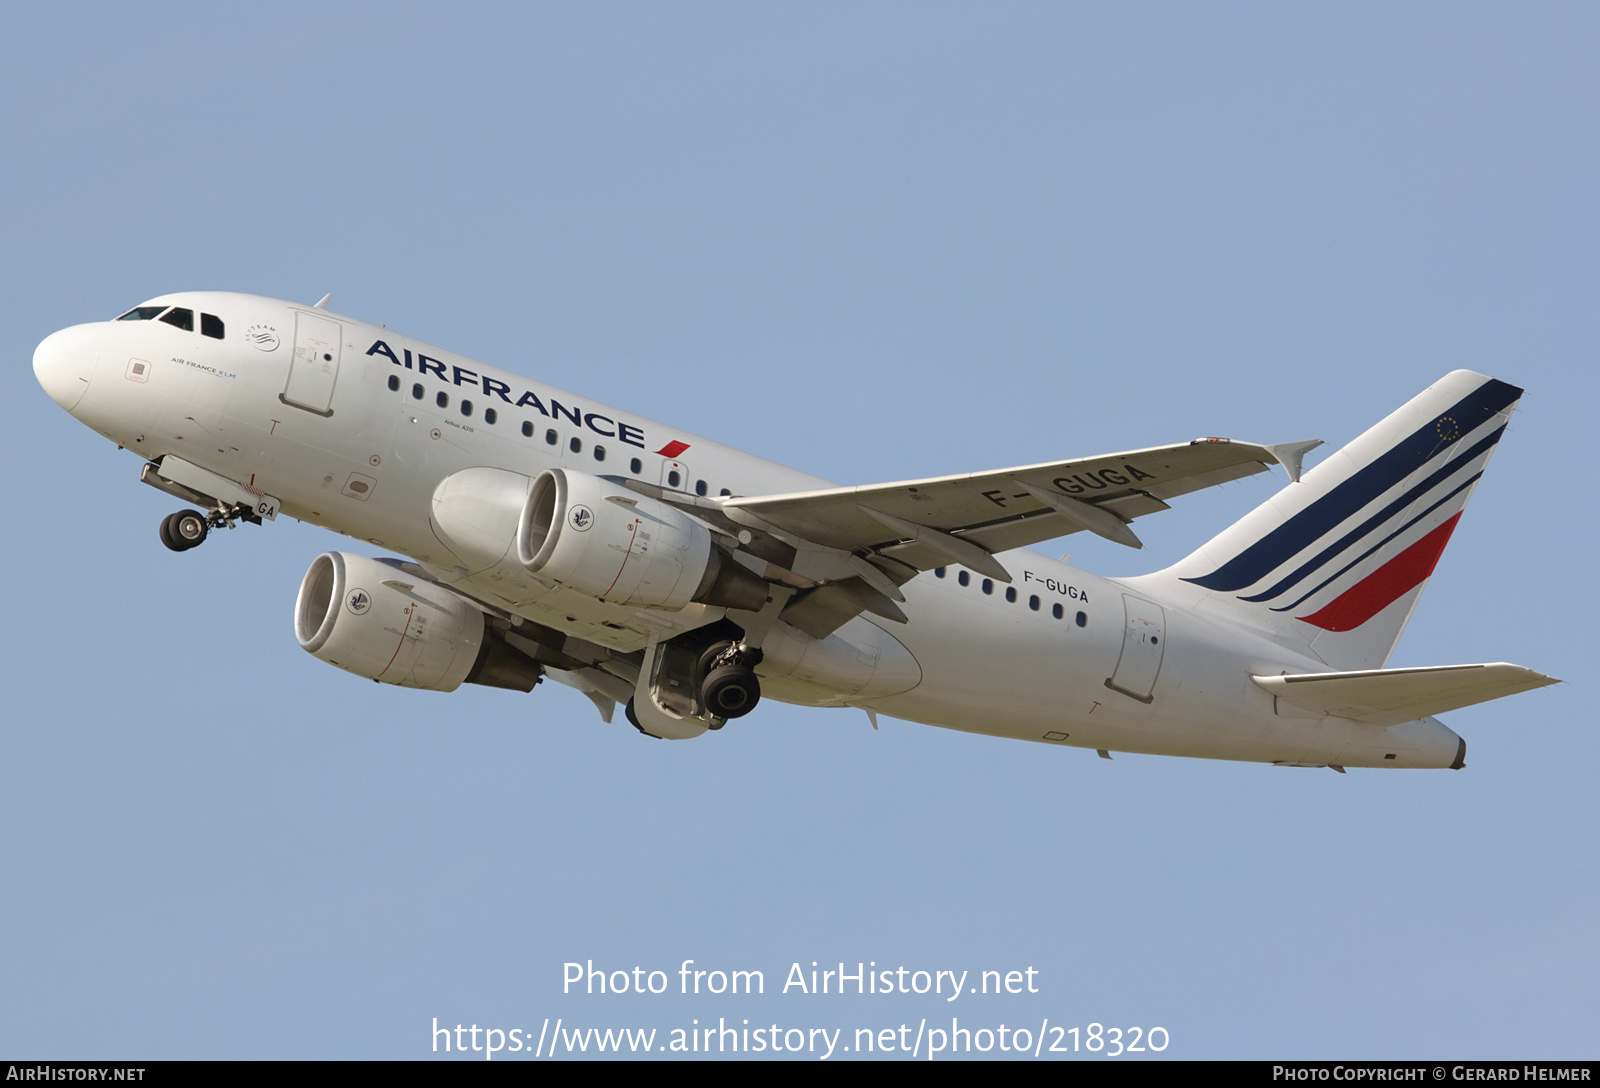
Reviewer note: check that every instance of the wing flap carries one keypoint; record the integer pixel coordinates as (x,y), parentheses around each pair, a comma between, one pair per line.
(1392,696)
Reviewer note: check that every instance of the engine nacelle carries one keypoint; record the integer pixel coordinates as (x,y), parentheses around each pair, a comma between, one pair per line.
(627,548)
(368,618)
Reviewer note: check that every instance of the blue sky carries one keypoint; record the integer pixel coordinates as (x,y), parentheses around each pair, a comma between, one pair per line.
(874,241)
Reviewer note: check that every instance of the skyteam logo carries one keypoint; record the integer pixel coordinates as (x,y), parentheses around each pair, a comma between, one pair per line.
(580,518)
(264,337)
(358,601)
(1359,543)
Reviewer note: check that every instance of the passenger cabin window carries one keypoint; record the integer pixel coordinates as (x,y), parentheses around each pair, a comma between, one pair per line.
(141,313)
(527,429)
(490,415)
(394,383)
(636,466)
(183,319)
(442,400)
(551,438)
(466,407)
(211,325)
(417,392)
(700,487)
(599,453)
(674,478)
(576,445)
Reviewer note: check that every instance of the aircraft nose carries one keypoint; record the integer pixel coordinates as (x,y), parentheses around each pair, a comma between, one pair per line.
(64,362)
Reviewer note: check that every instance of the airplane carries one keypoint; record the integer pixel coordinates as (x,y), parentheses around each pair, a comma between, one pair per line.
(545,534)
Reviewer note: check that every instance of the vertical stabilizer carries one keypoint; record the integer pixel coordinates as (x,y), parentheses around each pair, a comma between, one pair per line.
(1339,559)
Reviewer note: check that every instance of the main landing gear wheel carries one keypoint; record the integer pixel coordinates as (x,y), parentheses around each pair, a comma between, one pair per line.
(708,657)
(184,530)
(730,691)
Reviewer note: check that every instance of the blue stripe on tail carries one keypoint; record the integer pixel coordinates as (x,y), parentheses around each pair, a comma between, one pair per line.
(1405,457)
(1381,516)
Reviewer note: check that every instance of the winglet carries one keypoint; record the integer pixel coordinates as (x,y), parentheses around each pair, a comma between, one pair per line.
(1290,454)
(323,305)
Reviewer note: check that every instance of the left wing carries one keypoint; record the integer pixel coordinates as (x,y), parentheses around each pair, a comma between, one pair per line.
(867,541)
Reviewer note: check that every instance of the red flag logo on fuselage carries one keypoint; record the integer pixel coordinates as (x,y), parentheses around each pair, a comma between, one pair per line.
(672,449)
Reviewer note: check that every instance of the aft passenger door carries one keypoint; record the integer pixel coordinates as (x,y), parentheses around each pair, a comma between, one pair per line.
(315,366)
(1144,637)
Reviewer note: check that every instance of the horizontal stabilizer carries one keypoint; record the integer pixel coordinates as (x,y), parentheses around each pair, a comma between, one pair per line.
(1392,696)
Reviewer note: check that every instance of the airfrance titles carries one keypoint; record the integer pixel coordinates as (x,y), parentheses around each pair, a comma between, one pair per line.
(493,387)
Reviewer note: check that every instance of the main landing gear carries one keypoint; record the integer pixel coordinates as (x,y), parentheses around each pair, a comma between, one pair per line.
(709,683)
(728,686)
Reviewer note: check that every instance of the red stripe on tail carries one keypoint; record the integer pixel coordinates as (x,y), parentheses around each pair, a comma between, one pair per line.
(1384,586)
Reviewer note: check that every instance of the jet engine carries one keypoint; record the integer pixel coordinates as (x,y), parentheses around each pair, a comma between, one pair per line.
(377,621)
(626,548)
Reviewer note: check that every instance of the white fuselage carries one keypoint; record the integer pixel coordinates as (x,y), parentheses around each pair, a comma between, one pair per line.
(357,431)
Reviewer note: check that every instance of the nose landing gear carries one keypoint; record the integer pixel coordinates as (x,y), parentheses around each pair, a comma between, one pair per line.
(184,530)
(188,528)
(227,501)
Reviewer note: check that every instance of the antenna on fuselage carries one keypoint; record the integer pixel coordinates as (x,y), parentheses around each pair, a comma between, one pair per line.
(323,305)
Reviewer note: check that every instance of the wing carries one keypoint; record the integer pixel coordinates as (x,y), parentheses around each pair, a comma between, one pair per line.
(859,544)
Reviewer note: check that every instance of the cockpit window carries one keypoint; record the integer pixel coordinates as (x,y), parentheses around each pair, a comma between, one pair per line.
(183,319)
(211,325)
(141,313)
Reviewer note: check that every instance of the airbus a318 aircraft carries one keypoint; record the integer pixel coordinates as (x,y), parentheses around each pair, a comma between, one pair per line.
(547,534)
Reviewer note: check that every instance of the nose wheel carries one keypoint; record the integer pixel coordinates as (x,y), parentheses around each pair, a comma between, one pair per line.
(184,530)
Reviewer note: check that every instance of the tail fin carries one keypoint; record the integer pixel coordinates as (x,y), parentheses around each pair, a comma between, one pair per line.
(1339,559)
